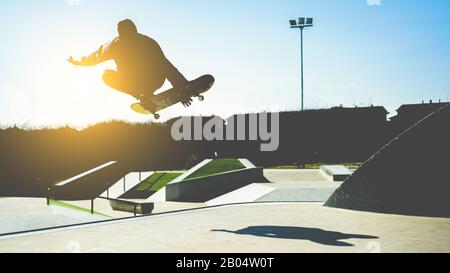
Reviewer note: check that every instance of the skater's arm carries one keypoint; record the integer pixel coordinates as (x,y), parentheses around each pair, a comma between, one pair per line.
(103,54)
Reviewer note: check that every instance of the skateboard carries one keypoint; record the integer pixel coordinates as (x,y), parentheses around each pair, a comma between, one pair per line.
(173,96)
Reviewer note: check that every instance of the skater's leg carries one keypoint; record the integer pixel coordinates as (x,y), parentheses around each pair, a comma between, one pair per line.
(174,75)
(118,82)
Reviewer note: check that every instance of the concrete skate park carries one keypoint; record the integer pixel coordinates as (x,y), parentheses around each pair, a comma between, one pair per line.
(231,205)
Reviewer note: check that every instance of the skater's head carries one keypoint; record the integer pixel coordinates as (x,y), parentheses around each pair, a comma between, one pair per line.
(126,28)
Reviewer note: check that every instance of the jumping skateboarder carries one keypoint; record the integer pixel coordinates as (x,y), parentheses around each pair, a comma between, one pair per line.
(142,66)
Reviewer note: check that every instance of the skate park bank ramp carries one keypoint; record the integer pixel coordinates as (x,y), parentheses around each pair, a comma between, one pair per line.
(213,178)
(408,176)
(88,185)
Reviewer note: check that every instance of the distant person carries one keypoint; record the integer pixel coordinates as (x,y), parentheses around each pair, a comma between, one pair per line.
(142,67)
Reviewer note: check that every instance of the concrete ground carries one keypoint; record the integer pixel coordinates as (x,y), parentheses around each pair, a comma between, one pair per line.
(298,186)
(281,227)
(103,206)
(23,214)
(263,227)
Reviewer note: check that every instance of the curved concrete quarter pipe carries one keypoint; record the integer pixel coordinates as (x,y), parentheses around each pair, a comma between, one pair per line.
(409,175)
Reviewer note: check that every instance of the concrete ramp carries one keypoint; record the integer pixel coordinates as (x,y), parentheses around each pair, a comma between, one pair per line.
(278,192)
(207,188)
(410,175)
(191,171)
(296,192)
(88,185)
(295,175)
(203,189)
(125,184)
(247,194)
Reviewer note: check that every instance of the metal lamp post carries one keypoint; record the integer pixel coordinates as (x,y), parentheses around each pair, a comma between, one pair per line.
(301,24)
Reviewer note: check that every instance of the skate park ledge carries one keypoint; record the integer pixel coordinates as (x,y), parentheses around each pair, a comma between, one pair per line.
(337,173)
(133,206)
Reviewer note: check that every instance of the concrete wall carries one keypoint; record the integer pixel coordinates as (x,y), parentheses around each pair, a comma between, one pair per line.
(207,188)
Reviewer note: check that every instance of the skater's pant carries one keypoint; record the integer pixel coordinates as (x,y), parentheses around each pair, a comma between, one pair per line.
(136,85)
(133,87)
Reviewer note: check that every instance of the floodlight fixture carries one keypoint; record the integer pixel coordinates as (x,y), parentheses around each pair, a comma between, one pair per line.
(301,21)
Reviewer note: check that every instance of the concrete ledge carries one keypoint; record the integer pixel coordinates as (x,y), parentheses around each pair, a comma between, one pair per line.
(132,206)
(336,172)
(208,188)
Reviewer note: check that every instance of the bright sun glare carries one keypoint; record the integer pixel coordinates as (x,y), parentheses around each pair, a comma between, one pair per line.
(74,95)
(68,95)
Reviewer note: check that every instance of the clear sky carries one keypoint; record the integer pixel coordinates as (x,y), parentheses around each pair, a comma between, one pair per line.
(360,52)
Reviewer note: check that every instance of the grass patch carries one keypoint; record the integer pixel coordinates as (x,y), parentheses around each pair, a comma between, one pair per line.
(217,166)
(157,181)
(73,207)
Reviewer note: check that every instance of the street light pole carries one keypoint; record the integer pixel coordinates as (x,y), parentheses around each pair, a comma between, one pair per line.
(301,25)
(301,57)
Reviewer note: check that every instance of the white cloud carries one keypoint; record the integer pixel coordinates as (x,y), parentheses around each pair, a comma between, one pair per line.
(374,2)
(73,2)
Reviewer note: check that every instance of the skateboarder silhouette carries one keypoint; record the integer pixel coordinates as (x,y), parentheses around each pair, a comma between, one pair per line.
(142,67)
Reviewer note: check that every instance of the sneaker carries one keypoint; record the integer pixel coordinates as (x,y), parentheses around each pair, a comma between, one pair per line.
(147,102)
(145,97)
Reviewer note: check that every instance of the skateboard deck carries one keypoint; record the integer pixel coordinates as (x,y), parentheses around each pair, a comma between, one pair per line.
(174,96)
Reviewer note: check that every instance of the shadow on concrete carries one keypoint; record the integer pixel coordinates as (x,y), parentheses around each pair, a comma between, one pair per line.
(315,235)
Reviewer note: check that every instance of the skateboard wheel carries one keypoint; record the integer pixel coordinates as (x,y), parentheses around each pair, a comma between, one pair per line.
(157,116)
(201,98)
